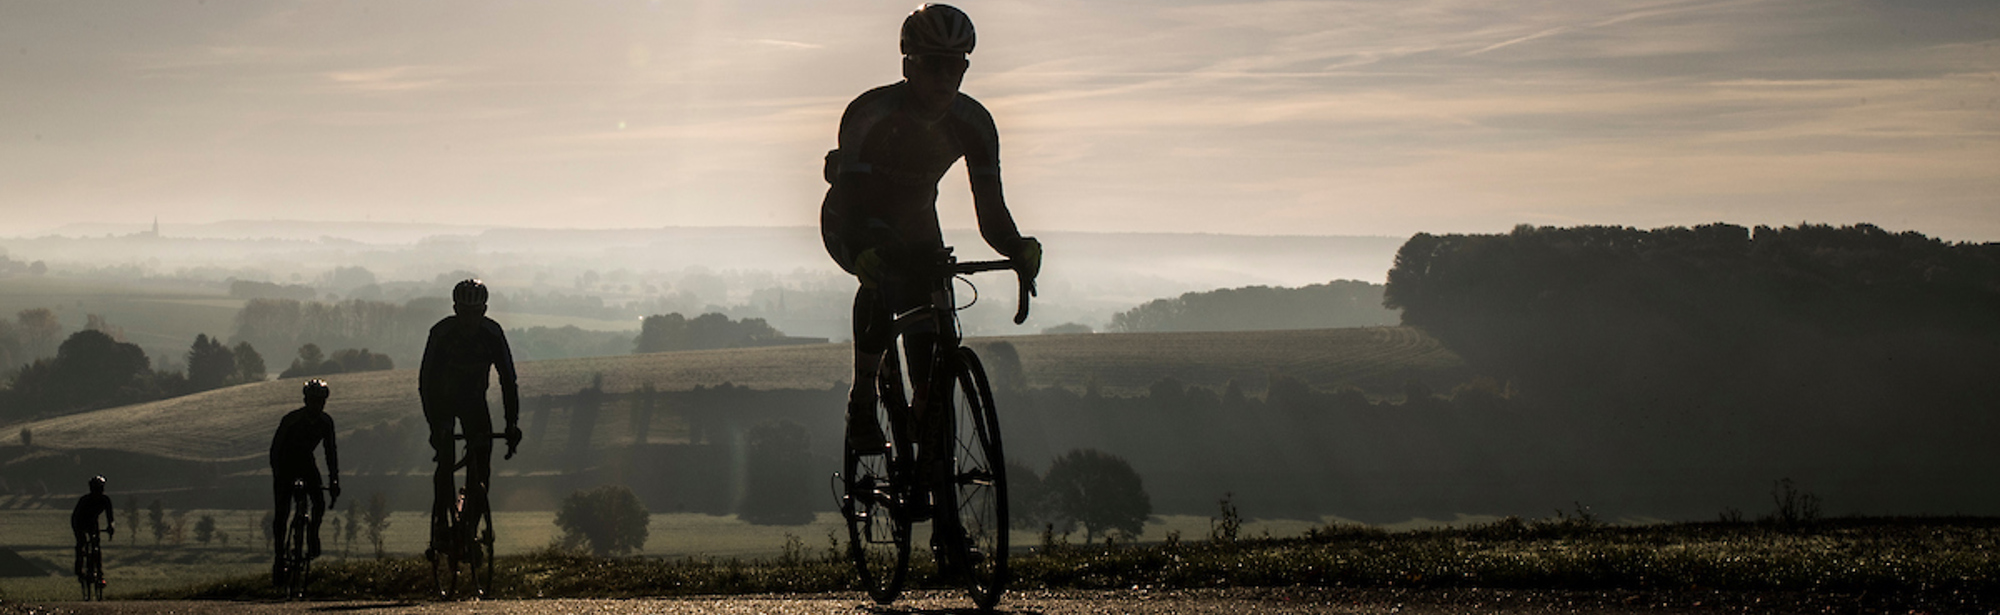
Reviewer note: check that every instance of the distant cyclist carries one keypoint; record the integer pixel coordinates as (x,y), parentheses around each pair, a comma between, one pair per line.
(880,220)
(83,519)
(299,432)
(462,350)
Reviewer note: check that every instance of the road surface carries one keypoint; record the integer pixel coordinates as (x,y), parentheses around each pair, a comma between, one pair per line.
(1136,602)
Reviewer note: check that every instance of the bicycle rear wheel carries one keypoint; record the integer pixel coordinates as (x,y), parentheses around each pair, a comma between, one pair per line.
(979,475)
(878,534)
(444,559)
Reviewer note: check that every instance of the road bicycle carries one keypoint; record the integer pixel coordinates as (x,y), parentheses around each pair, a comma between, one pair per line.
(295,560)
(92,576)
(943,464)
(463,542)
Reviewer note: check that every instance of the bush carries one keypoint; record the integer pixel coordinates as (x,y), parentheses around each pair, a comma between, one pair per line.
(1099,491)
(609,519)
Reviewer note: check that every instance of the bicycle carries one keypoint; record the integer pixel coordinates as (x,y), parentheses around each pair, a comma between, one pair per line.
(464,544)
(884,493)
(296,562)
(92,576)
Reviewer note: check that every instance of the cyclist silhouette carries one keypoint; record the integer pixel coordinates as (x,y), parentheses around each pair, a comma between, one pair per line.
(879,219)
(83,519)
(299,432)
(452,383)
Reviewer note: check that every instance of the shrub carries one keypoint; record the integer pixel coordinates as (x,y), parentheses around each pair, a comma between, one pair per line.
(609,519)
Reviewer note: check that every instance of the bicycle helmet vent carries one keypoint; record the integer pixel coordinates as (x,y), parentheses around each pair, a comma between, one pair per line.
(938,29)
(317,389)
(469,292)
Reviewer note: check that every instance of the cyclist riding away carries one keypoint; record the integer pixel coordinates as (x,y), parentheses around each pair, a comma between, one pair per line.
(299,432)
(452,383)
(83,519)
(879,219)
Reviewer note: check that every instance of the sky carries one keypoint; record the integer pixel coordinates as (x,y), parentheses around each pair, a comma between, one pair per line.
(1363,117)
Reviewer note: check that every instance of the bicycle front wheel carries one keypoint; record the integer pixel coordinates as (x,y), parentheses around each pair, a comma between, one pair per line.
(297,568)
(482,559)
(878,535)
(980,480)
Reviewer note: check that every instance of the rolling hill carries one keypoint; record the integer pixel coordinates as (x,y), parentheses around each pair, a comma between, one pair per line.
(233,424)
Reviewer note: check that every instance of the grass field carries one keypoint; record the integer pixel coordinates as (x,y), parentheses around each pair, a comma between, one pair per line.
(1861,565)
(138,566)
(234,423)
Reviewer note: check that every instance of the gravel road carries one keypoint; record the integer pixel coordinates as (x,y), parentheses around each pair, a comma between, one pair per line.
(1136,602)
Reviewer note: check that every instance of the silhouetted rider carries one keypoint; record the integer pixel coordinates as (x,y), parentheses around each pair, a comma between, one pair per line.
(461,350)
(299,432)
(83,518)
(879,219)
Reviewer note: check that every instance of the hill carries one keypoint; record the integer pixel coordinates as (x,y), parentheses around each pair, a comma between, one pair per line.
(233,424)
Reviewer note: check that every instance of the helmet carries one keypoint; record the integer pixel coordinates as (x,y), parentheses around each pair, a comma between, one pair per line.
(938,29)
(97,483)
(316,389)
(469,292)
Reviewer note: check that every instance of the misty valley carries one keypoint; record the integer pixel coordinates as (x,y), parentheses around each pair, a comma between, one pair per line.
(1626,376)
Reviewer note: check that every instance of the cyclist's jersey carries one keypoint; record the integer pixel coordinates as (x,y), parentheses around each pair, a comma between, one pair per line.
(292,446)
(84,517)
(886,172)
(453,376)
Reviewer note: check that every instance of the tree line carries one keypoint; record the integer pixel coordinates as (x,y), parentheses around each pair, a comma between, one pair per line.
(93,368)
(1340,303)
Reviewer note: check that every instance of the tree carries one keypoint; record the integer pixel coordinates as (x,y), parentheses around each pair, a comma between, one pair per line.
(39,330)
(210,364)
(90,370)
(310,363)
(249,364)
(350,530)
(1099,491)
(609,519)
(204,530)
(132,516)
(377,520)
(156,519)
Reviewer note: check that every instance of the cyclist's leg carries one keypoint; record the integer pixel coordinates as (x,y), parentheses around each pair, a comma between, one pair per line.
(281,495)
(443,449)
(318,499)
(872,335)
(477,422)
(81,537)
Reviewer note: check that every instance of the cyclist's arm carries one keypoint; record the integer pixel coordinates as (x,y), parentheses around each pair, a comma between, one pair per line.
(982,165)
(424,369)
(510,389)
(332,454)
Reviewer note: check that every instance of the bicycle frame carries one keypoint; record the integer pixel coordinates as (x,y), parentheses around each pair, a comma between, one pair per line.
(297,565)
(462,541)
(92,579)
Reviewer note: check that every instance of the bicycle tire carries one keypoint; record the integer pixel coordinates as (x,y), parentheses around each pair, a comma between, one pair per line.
(979,477)
(444,559)
(878,533)
(482,556)
(297,566)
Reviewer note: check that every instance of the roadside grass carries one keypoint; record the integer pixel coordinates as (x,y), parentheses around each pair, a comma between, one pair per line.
(1945,560)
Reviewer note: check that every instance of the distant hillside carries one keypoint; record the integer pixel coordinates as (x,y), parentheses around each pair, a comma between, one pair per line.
(234,423)
(1340,303)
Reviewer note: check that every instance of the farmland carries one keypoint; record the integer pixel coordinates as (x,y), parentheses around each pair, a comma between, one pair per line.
(234,423)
